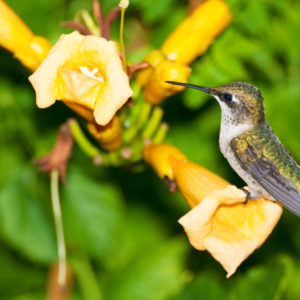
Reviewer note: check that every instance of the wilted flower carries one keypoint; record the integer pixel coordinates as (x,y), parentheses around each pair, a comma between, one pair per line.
(219,222)
(86,71)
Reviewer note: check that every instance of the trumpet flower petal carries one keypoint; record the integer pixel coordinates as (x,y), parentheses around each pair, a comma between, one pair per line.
(220,221)
(86,71)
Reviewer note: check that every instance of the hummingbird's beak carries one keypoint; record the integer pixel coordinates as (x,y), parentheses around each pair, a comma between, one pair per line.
(193,86)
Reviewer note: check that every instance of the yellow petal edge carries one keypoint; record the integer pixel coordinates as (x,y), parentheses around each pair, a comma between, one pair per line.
(85,70)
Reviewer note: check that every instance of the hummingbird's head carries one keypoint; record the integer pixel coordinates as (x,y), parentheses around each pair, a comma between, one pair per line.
(239,101)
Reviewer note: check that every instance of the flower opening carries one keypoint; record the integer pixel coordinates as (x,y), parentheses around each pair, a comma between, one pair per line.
(219,221)
(86,71)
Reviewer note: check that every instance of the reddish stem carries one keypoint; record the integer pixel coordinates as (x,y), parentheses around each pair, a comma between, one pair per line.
(77,26)
(137,67)
(105,29)
(97,11)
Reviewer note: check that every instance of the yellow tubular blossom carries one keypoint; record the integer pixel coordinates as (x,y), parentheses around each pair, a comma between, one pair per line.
(157,89)
(157,156)
(109,136)
(219,221)
(194,181)
(190,39)
(194,35)
(16,37)
(85,71)
(154,57)
(94,88)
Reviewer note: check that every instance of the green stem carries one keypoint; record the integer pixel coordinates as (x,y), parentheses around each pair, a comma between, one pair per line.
(123,54)
(133,130)
(161,133)
(137,88)
(86,277)
(128,114)
(144,115)
(89,22)
(86,146)
(61,247)
(137,149)
(153,123)
(114,158)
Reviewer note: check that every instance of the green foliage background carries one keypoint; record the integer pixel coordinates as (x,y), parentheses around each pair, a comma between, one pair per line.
(122,234)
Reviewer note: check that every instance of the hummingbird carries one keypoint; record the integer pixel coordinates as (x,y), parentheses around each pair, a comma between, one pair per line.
(251,147)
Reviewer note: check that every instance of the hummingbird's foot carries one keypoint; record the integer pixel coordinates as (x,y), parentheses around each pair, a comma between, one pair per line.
(249,196)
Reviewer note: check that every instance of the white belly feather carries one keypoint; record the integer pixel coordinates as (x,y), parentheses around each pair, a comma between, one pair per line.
(230,130)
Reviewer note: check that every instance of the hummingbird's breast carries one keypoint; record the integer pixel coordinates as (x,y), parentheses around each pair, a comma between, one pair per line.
(228,131)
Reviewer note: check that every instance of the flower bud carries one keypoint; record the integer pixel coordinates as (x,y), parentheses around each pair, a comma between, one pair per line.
(109,136)
(153,58)
(194,35)
(17,38)
(157,89)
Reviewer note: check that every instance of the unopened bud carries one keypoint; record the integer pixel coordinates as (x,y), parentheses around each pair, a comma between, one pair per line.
(124,4)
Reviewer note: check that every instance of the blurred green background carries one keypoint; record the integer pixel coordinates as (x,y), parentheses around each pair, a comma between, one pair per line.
(122,234)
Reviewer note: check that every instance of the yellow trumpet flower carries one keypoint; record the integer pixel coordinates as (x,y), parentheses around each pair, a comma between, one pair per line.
(190,39)
(154,57)
(219,221)
(16,37)
(157,89)
(95,88)
(194,35)
(157,156)
(86,71)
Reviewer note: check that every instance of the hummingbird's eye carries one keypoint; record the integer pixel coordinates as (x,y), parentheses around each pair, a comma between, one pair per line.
(227,97)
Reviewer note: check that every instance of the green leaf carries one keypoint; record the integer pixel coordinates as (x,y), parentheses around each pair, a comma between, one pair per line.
(24,223)
(17,276)
(292,290)
(91,212)
(151,276)
(264,282)
(146,263)
(206,285)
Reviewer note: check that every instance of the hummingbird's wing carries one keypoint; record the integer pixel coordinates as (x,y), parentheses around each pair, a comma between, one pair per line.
(267,174)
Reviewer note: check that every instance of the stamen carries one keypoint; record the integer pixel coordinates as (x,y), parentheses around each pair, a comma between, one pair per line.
(92,74)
